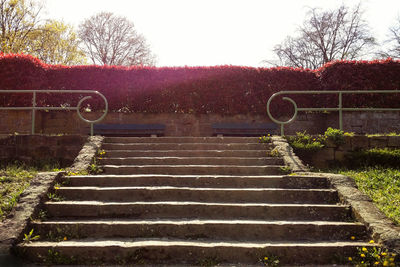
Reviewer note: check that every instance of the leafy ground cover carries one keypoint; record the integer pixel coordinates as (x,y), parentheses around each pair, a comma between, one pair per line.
(14,179)
(381,184)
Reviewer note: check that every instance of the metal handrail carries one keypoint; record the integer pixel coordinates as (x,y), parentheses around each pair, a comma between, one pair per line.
(33,108)
(340,107)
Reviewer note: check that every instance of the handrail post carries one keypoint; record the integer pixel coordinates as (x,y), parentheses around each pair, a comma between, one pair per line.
(340,112)
(33,111)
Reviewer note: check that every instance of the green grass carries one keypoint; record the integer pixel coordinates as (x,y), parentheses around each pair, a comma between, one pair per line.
(384,134)
(14,179)
(382,185)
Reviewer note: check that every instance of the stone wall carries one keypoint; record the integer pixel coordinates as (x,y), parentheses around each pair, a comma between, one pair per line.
(332,153)
(32,148)
(68,122)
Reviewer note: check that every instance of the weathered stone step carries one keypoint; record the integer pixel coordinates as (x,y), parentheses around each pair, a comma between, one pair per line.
(195,229)
(127,140)
(166,251)
(173,209)
(168,193)
(185,153)
(192,161)
(186,146)
(218,181)
(192,169)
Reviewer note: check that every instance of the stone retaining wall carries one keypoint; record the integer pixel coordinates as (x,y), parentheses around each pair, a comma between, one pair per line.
(68,122)
(17,222)
(31,148)
(332,153)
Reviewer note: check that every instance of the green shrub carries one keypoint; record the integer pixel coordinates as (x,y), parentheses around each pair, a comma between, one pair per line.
(336,136)
(384,157)
(306,142)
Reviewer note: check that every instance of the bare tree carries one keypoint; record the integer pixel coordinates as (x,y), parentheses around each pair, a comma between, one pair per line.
(393,42)
(113,40)
(326,36)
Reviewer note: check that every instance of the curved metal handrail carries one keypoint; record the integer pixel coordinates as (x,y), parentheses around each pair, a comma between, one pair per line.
(33,108)
(340,107)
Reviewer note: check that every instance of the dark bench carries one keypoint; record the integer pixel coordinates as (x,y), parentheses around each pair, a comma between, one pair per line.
(129,129)
(244,129)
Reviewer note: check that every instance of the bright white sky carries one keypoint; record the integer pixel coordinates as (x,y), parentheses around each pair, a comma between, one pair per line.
(217,32)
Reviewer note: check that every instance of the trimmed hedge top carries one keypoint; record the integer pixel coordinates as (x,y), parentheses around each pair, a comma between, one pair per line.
(223,90)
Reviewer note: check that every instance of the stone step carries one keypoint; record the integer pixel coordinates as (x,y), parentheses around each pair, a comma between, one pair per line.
(169,193)
(185,153)
(192,161)
(196,229)
(192,169)
(167,251)
(128,140)
(186,146)
(173,209)
(216,181)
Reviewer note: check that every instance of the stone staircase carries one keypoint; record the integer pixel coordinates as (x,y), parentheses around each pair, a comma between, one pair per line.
(194,200)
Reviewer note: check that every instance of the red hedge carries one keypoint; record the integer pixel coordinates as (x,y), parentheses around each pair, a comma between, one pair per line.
(200,90)
(363,75)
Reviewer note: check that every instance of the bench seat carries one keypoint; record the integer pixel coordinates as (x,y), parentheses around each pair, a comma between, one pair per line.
(129,129)
(244,129)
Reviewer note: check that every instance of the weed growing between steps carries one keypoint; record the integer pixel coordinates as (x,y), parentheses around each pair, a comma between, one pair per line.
(55,257)
(372,256)
(94,167)
(273,153)
(270,260)
(64,233)
(265,139)
(42,215)
(30,237)
(208,262)
(285,170)
(55,197)
(69,173)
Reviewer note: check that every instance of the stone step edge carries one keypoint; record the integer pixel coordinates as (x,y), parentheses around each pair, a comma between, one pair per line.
(195,222)
(155,188)
(141,242)
(191,143)
(183,176)
(183,251)
(187,165)
(187,203)
(205,138)
(180,150)
(191,158)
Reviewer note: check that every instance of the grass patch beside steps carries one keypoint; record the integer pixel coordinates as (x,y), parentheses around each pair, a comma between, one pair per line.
(15,177)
